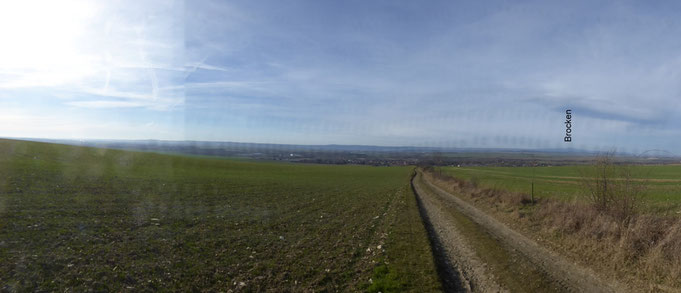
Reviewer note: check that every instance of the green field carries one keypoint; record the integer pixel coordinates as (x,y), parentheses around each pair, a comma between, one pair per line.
(663,182)
(85,218)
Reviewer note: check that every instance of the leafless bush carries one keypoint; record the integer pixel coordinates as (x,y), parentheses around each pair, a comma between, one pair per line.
(612,188)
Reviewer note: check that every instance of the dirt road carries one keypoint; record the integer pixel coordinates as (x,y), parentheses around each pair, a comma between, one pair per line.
(477,253)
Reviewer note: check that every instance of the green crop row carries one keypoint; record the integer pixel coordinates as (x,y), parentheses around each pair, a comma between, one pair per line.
(109,220)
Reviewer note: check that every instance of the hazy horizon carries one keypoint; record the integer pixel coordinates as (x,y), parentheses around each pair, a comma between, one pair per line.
(101,142)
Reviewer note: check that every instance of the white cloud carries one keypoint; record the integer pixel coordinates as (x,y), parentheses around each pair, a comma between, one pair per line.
(21,123)
(105,104)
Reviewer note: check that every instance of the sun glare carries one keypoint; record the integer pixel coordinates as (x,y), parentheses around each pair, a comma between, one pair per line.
(42,41)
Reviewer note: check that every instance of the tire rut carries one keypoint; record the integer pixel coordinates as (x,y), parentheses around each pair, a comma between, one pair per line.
(462,265)
(451,278)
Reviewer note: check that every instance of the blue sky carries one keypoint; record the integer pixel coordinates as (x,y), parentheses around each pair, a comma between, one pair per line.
(420,73)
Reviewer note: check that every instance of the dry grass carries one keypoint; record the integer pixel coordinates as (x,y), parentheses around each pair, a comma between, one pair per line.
(642,250)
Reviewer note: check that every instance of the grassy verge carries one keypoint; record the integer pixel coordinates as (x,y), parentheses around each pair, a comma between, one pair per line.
(509,267)
(644,252)
(85,218)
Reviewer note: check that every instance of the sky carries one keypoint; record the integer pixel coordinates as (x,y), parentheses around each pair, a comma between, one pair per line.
(472,74)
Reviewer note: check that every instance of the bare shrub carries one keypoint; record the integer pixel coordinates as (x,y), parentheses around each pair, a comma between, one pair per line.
(612,188)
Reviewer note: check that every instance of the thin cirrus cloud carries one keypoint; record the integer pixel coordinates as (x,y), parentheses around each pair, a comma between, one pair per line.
(74,45)
(455,71)
(442,73)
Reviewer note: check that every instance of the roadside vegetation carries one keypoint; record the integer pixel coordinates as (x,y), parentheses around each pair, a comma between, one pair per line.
(606,216)
(487,262)
(79,219)
(661,192)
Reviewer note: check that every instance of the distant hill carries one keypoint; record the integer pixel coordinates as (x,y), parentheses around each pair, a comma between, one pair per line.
(163,145)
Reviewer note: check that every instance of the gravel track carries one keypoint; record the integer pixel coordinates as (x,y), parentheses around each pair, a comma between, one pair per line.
(467,272)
